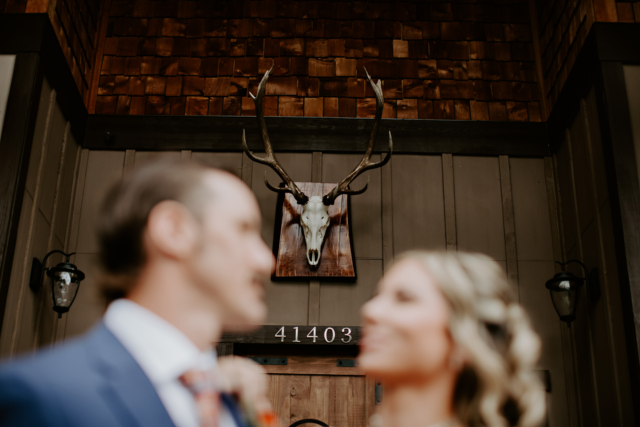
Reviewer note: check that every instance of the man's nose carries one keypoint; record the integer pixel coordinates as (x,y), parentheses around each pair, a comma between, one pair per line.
(265,261)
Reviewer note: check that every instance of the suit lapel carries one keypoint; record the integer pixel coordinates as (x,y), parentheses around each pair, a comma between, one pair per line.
(126,387)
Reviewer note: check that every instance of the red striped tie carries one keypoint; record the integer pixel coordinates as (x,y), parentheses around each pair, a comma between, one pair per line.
(200,384)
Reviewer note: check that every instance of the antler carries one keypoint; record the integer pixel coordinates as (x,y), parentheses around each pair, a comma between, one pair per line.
(270,159)
(365,163)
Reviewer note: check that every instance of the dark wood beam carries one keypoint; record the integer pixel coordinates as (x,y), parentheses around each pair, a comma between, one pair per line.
(33,33)
(305,134)
(617,42)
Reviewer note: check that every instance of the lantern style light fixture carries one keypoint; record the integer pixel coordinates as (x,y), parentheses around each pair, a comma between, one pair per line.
(65,281)
(564,288)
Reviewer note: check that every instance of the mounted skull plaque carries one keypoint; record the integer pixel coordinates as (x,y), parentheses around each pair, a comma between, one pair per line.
(314,232)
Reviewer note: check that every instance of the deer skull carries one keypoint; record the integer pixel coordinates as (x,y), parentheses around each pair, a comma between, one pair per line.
(315,221)
(315,209)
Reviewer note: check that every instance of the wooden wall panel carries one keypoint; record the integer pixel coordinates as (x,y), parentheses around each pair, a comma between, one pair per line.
(321,409)
(89,306)
(53,151)
(141,157)
(603,346)
(280,391)
(340,302)
(599,340)
(509,226)
(68,172)
(26,327)
(479,205)
(231,162)
(602,382)
(17,285)
(18,292)
(300,398)
(583,348)
(536,266)
(582,171)
(566,196)
(536,300)
(530,205)
(346,397)
(338,400)
(418,203)
(597,156)
(611,281)
(365,208)
(55,170)
(103,169)
(417,219)
(40,134)
(287,301)
(29,320)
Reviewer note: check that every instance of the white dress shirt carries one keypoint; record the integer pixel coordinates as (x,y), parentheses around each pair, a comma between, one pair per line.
(164,353)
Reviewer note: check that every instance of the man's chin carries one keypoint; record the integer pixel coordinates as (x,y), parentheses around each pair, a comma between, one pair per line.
(247,323)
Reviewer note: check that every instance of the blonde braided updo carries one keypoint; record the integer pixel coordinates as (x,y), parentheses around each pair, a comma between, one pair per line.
(497,386)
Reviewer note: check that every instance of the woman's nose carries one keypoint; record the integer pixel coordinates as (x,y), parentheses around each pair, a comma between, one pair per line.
(370,311)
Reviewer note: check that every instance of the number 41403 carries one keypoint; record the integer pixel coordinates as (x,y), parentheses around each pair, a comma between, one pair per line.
(329,334)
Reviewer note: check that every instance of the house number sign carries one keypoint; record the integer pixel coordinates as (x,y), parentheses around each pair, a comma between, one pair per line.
(323,334)
(292,334)
(302,335)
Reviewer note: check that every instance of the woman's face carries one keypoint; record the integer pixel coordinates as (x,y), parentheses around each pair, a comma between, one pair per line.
(405,334)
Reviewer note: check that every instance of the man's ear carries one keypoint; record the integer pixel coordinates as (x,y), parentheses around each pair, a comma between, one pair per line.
(172,230)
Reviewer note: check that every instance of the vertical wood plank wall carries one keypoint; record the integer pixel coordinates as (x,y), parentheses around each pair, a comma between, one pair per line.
(44,225)
(498,206)
(584,214)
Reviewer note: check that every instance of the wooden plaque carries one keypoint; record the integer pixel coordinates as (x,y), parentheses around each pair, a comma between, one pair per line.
(336,260)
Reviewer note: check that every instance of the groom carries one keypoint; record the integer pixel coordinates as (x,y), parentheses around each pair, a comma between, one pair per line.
(183,261)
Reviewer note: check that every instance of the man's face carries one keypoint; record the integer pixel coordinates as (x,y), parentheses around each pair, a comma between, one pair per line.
(232,261)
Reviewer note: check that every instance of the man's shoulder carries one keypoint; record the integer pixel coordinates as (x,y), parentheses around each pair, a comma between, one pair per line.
(32,386)
(56,362)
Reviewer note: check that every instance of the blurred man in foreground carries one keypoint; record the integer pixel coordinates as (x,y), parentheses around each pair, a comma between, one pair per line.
(183,259)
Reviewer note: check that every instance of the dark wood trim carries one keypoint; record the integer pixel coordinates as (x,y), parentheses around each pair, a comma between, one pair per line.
(599,66)
(624,194)
(580,80)
(305,134)
(33,32)
(288,350)
(605,42)
(15,149)
(618,41)
(101,31)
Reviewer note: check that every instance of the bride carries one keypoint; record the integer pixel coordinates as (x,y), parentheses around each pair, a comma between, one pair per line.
(450,345)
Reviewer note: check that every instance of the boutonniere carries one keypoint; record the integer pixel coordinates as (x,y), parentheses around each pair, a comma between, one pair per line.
(248,382)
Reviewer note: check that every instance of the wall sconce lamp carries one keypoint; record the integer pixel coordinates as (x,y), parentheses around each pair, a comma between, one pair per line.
(564,288)
(65,281)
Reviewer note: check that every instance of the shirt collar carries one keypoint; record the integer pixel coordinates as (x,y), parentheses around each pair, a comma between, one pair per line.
(162,351)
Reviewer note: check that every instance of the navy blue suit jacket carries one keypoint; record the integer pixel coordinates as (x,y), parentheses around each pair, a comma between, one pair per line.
(91,381)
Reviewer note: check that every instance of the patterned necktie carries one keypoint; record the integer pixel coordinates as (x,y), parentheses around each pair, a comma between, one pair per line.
(200,384)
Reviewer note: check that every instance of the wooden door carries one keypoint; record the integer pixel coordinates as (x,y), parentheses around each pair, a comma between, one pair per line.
(316,388)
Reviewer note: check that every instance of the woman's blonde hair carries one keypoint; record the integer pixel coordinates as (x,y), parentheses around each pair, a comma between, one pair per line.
(497,386)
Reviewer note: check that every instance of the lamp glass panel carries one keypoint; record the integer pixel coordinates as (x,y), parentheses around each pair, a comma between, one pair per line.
(564,300)
(65,286)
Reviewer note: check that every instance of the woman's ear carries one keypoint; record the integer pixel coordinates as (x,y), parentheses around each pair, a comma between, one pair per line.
(172,230)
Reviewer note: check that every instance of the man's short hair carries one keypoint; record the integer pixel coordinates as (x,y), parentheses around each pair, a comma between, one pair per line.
(125,211)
